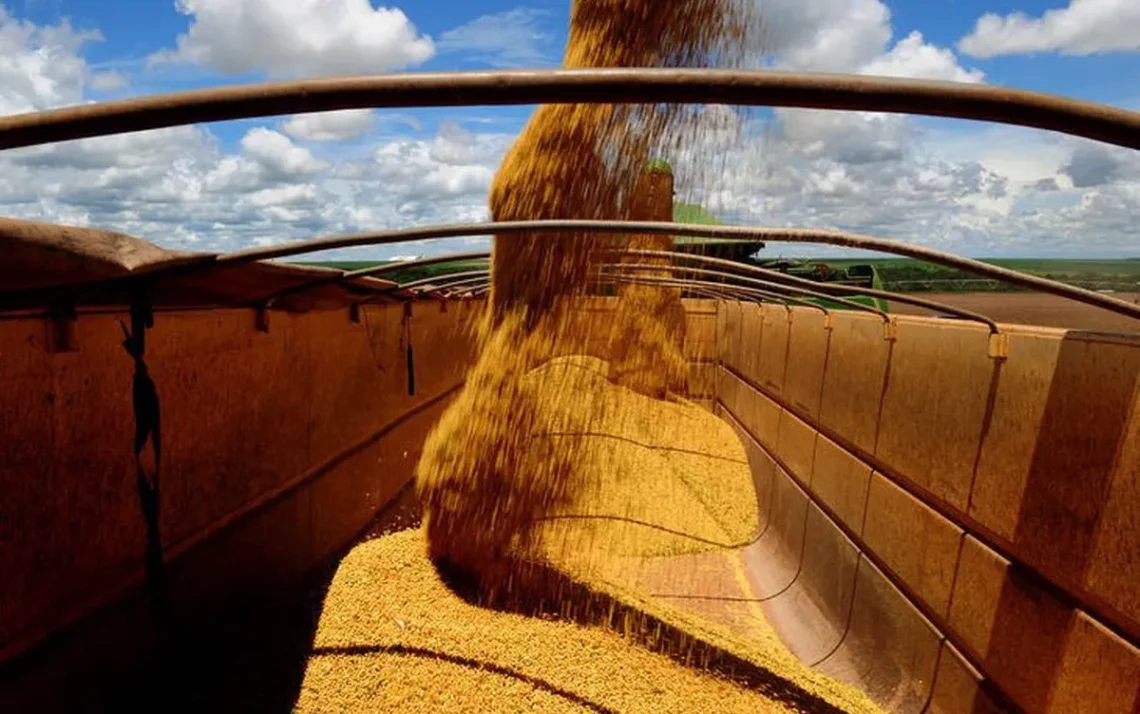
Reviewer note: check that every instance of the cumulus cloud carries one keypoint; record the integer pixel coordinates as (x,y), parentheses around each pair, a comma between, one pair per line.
(913,57)
(40,65)
(827,153)
(275,153)
(974,192)
(513,38)
(1083,27)
(846,137)
(329,126)
(296,37)
(182,188)
(953,191)
(1092,165)
(825,35)
(848,36)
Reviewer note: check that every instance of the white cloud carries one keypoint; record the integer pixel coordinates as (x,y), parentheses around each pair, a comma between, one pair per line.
(283,195)
(329,126)
(913,57)
(825,35)
(846,137)
(296,37)
(1084,27)
(40,65)
(275,153)
(849,36)
(976,192)
(108,81)
(512,38)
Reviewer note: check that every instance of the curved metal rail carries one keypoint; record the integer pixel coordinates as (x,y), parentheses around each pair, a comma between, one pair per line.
(777,276)
(445,283)
(768,285)
(744,233)
(438,282)
(708,287)
(269,300)
(481,278)
(722,292)
(469,279)
(624,85)
(629,86)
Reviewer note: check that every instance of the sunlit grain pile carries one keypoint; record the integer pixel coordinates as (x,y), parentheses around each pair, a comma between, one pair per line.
(570,471)
(426,650)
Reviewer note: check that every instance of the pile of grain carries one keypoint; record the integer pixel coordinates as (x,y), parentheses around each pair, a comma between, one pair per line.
(393,637)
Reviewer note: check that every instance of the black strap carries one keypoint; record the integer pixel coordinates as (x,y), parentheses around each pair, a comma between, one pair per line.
(409,352)
(144,397)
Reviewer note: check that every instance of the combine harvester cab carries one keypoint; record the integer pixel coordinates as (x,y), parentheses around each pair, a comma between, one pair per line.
(949,508)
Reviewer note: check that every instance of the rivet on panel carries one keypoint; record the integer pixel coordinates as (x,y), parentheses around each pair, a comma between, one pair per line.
(891,330)
(999,345)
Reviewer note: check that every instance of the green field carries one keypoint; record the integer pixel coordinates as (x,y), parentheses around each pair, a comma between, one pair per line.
(906,275)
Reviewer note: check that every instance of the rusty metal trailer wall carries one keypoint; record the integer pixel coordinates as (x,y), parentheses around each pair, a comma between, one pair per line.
(953,513)
(276,448)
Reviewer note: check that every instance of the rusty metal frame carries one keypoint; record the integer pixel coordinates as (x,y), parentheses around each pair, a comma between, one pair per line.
(827,287)
(721,291)
(767,284)
(563,86)
(481,279)
(776,276)
(269,300)
(444,289)
(439,282)
(744,233)
(739,290)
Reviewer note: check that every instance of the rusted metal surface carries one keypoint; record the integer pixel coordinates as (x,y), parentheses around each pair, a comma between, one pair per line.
(634,86)
(440,282)
(1017,597)
(38,254)
(774,277)
(772,286)
(750,294)
(283,418)
(827,287)
(370,272)
(747,233)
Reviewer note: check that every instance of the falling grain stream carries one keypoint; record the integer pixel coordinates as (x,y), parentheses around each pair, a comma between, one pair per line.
(571,468)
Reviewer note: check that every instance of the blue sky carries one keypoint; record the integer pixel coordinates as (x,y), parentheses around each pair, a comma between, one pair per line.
(974,188)
(134,29)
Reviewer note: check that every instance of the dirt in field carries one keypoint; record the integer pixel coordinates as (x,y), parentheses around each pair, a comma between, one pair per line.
(1034,309)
